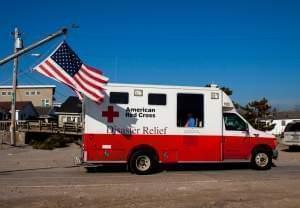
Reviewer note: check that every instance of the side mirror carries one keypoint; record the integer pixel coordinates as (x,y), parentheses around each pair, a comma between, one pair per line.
(247,129)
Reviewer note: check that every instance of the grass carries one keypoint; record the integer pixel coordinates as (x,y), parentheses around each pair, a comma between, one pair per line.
(51,142)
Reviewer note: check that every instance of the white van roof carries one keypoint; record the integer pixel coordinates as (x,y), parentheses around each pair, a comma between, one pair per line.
(214,88)
(227,103)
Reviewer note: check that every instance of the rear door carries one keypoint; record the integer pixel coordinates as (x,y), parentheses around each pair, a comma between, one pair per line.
(292,133)
(236,139)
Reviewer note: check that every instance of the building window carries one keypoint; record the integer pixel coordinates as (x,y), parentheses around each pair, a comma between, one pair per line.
(119,97)
(45,102)
(9,93)
(190,110)
(32,93)
(3,93)
(157,99)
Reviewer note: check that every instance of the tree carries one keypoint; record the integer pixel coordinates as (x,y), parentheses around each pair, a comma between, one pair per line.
(257,112)
(227,90)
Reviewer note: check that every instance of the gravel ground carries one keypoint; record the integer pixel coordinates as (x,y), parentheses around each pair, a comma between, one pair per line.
(48,178)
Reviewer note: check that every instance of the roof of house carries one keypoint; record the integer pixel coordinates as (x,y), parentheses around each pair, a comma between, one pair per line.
(44,111)
(71,105)
(19,105)
(27,86)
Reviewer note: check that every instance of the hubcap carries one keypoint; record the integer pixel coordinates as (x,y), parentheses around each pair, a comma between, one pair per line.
(143,163)
(262,159)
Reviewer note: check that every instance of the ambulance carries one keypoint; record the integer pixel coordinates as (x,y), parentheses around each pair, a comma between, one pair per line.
(145,126)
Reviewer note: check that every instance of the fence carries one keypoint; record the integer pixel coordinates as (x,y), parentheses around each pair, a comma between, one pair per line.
(41,126)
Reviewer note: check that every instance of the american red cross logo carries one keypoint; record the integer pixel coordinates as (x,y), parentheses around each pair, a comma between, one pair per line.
(110,114)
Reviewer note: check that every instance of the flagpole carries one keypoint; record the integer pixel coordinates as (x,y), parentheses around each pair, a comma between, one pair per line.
(83,113)
(62,31)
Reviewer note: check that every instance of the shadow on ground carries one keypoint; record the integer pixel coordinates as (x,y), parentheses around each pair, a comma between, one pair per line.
(5,172)
(292,149)
(174,167)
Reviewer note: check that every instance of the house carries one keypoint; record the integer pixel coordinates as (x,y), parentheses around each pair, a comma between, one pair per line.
(39,95)
(46,113)
(24,111)
(70,111)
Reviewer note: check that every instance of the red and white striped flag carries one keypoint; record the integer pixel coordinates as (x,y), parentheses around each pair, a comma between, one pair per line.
(64,66)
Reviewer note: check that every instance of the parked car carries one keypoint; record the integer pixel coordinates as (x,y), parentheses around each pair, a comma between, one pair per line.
(291,135)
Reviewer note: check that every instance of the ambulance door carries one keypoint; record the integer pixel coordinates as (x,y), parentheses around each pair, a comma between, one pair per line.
(195,147)
(236,138)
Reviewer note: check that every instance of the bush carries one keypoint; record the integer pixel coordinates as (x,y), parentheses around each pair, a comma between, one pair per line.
(52,142)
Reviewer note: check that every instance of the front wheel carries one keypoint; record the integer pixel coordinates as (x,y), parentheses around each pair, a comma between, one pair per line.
(261,159)
(142,163)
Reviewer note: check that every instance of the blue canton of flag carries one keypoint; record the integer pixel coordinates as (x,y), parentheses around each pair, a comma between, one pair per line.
(67,59)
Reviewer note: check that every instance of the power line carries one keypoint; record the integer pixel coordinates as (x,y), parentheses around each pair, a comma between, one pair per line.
(10,79)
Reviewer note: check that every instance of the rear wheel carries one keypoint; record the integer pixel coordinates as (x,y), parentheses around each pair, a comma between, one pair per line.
(294,148)
(143,162)
(261,159)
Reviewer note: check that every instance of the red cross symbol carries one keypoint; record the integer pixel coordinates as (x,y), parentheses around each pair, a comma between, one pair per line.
(110,114)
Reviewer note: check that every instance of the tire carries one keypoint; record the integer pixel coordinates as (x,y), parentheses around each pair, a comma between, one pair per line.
(293,148)
(143,162)
(91,169)
(261,159)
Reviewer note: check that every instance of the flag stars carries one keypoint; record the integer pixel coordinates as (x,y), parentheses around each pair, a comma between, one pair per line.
(67,59)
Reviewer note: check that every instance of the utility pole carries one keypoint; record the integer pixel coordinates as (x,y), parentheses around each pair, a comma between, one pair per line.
(17,46)
(60,32)
(18,51)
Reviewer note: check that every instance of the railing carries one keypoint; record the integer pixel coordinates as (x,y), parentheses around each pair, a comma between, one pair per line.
(41,126)
(4,125)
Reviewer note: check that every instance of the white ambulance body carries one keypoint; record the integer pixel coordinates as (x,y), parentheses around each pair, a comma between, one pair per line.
(144,125)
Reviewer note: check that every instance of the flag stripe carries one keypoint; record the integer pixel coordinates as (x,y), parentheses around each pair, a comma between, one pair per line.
(44,71)
(87,91)
(77,93)
(93,83)
(95,75)
(41,69)
(87,87)
(95,70)
(44,68)
(92,97)
(97,81)
(58,72)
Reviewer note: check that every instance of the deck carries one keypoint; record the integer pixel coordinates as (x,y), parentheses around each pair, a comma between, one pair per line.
(43,127)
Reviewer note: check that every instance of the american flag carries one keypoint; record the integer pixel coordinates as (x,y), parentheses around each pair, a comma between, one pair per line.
(65,66)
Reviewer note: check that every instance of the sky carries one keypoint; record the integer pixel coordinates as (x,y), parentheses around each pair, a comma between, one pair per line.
(250,46)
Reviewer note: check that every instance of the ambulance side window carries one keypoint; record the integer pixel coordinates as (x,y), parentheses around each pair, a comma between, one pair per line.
(157,99)
(190,110)
(234,123)
(119,97)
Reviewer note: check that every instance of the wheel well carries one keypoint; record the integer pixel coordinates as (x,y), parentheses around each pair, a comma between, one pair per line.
(143,147)
(262,147)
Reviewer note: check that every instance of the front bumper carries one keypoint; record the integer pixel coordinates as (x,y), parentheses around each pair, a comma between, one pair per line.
(275,154)
(290,143)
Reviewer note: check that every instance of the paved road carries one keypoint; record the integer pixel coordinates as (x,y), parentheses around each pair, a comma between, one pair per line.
(35,178)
